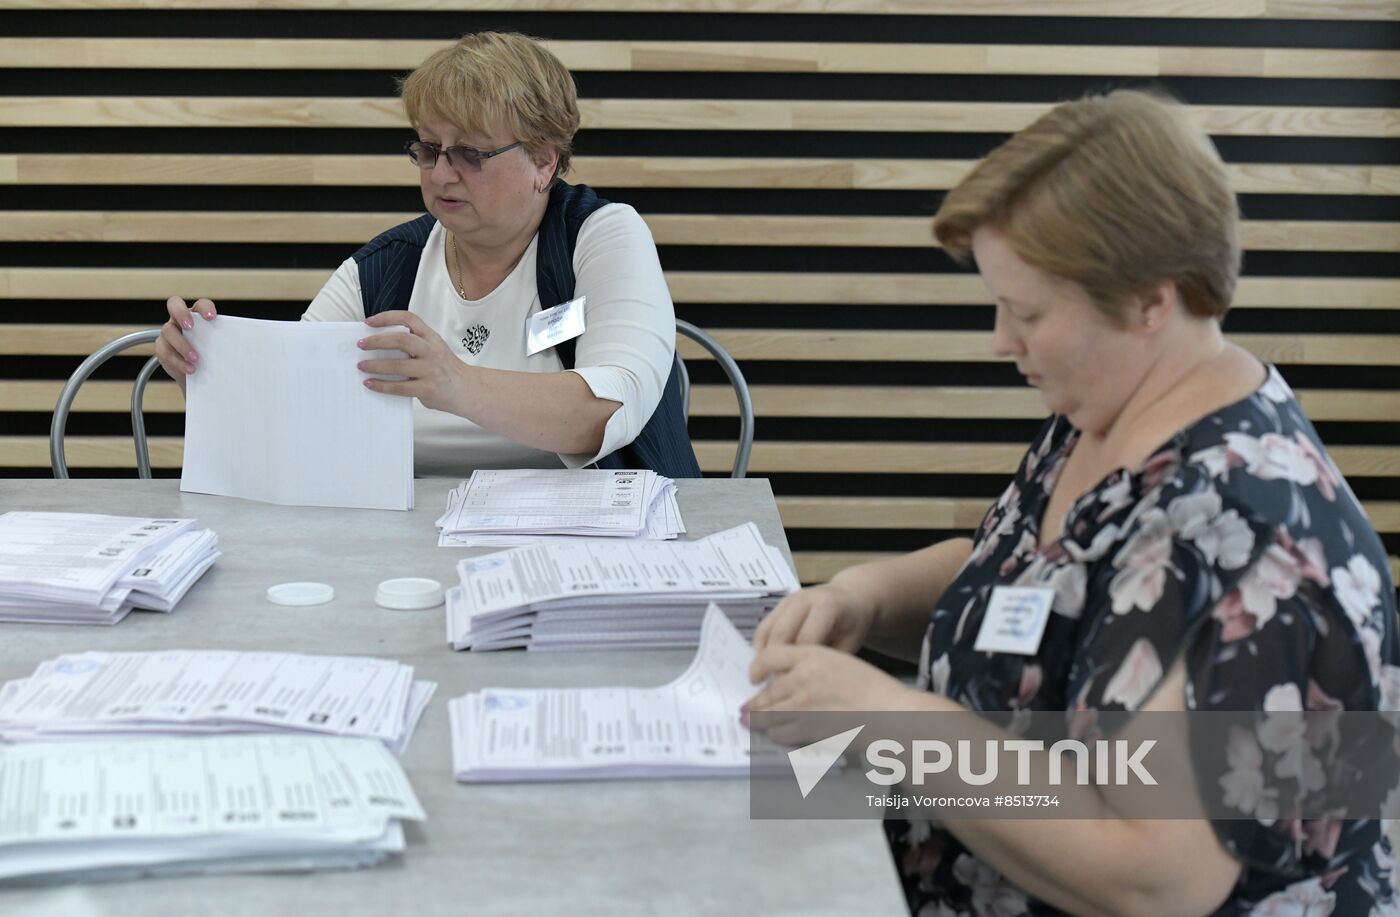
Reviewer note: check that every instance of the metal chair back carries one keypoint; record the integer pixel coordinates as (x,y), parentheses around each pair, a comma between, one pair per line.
(58,429)
(736,379)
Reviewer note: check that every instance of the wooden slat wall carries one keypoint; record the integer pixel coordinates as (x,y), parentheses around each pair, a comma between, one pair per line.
(787,154)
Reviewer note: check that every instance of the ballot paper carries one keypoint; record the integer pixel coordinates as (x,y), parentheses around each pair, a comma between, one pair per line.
(278,412)
(84,568)
(688,728)
(597,593)
(528,506)
(187,692)
(108,809)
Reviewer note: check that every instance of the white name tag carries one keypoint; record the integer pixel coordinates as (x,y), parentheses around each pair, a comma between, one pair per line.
(1015,620)
(549,327)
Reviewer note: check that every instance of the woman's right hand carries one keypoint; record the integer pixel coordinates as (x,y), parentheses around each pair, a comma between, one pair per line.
(828,615)
(177,356)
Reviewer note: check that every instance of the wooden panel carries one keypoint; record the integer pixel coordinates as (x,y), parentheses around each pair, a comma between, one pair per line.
(912,402)
(973,403)
(839,346)
(946,513)
(686,287)
(621,172)
(1191,9)
(667,114)
(820,566)
(668,229)
(793,401)
(714,56)
(774,457)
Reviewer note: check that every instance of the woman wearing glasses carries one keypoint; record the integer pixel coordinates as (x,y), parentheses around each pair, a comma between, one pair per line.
(1175,539)
(496,382)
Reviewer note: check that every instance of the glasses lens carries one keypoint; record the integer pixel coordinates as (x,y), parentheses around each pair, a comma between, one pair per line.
(424,154)
(464,158)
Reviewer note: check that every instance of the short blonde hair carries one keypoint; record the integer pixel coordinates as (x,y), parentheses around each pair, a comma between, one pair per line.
(1117,193)
(488,79)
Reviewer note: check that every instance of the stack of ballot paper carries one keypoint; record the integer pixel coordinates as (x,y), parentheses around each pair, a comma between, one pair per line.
(597,594)
(81,568)
(184,692)
(688,728)
(103,810)
(528,506)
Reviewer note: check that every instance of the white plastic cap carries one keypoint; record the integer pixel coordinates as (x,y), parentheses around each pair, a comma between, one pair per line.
(300,594)
(409,593)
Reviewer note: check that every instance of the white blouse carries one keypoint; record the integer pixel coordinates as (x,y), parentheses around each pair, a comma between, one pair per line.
(625,353)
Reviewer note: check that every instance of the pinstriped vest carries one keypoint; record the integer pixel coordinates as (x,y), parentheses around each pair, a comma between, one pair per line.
(388,266)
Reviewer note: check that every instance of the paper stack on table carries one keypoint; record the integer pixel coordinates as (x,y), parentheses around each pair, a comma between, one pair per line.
(602,593)
(529,506)
(187,692)
(105,810)
(82,568)
(688,728)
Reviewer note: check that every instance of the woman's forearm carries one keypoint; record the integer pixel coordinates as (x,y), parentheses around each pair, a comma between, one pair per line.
(904,590)
(553,412)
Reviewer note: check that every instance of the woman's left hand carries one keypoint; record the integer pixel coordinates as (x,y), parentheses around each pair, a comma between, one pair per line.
(819,678)
(433,373)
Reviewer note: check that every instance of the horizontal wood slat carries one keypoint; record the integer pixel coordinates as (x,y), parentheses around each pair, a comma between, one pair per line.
(775,457)
(950,513)
(667,229)
(911,402)
(820,566)
(972,403)
(686,286)
(838,346)
(668,114)
(621,172)
(1168,9)
(715,57)
(905,458)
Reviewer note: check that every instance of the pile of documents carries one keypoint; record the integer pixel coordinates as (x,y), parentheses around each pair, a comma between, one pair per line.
(82,568)
(688,728)
(103,810)
(528,506)
(605,593)
(187,692)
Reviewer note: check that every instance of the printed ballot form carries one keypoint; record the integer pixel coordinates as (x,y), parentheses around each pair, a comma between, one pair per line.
(590,593)
(173,692)
(688,728)
(86,568)
(278,412)
(89,809)
(527,506)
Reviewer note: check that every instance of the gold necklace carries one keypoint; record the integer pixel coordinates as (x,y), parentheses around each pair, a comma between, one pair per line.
(456,267)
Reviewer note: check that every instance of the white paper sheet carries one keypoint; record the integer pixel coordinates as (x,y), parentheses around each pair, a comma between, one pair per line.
(689,727)
(186,691)
(278,412)
(254,801)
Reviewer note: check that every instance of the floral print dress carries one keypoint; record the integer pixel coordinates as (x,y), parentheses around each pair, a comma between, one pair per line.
(1237,545)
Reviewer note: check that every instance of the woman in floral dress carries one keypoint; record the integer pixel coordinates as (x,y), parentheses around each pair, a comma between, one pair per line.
(1202,550)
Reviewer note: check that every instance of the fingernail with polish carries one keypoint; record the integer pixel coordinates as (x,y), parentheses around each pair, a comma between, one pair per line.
(187,323)
(194,357)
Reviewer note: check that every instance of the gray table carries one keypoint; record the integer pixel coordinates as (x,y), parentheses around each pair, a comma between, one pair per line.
(626,847)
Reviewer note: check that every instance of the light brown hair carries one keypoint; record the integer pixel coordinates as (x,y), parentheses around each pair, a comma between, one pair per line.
(1117,193)
(490,79)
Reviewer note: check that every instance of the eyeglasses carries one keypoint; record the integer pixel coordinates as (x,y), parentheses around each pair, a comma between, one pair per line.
(462,158)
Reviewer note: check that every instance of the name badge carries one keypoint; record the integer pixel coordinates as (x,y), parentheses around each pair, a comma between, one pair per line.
(1015,620)
(549,327)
